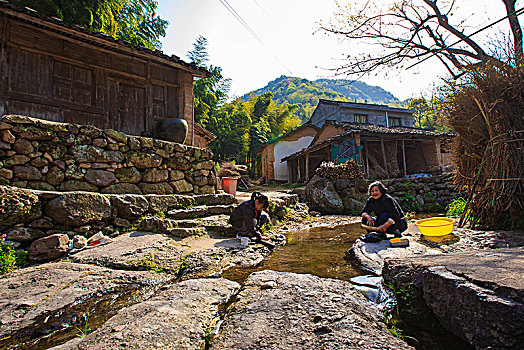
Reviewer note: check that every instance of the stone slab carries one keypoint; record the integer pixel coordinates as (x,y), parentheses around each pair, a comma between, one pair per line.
(177,317)
(371,256)
(476,295)
(135,251)
(279,310)
(33,300)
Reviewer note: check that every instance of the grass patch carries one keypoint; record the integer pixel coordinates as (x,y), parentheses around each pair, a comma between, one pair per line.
(12,259)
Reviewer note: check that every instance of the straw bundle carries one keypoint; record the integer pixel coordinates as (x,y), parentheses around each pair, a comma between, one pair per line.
(487,112)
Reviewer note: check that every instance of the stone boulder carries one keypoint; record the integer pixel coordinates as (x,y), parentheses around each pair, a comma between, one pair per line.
(178,317)
(130,206)
(477,295)
(49,299)
(18,206)
(49,248)
(79,208)
(323,197)
(280,310)
(24,234)
(371,256)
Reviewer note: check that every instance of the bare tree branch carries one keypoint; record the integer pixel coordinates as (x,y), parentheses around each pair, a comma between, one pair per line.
(414,30)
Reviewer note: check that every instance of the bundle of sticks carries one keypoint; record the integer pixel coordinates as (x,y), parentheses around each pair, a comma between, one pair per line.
(348,170)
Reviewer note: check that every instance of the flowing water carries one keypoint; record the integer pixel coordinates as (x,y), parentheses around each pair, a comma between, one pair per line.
(319,251)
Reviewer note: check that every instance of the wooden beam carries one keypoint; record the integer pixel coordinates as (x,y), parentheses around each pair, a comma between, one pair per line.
(367,158)
(384,155)
(289,174)
(439,153)
(307,167)
(404,157)
(298,167)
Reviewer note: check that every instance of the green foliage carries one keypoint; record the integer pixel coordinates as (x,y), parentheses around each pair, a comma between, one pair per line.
(404,294)
(302,95)
(397,332)
(456,207)
(428,114)
(11,259)
(133,20)
(408,202)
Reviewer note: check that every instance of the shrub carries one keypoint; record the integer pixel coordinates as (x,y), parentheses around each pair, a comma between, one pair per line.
(11,259)
(456,207)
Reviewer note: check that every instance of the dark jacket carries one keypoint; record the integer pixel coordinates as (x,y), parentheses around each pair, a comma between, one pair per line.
(385,204)
(243,215)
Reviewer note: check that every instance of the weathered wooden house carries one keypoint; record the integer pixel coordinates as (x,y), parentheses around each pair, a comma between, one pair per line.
(379,138)
(274,151)
(362,113)
(60,73)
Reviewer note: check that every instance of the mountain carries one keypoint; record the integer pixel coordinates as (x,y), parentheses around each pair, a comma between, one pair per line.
(303,94)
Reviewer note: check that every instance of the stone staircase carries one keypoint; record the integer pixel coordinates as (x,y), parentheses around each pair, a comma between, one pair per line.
(200,215)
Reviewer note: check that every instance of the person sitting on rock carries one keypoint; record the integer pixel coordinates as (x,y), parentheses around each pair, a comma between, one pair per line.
(247,219)
(389,215)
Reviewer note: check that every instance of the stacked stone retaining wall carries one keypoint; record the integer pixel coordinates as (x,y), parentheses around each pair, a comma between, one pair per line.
(27,215)
(51,156)
(428,194)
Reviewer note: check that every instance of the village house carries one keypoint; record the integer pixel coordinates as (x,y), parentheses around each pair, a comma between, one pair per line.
(68,74)
(379,138)
(272,152)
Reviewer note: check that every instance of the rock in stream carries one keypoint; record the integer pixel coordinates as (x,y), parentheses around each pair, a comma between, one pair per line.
(281,310)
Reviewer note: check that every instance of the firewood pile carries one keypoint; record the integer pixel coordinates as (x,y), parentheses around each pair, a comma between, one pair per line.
(348,170)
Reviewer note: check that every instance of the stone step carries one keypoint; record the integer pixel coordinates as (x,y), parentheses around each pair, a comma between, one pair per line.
(200,211)
(218,224)
(183,232)
(215,199)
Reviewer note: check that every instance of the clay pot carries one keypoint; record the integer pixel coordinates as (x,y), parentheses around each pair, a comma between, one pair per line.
(171,129)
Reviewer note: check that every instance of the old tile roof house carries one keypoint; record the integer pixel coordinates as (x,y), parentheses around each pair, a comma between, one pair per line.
(380,138)
(69,74)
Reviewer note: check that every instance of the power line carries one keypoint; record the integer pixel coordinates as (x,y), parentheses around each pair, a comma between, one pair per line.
(252,32)
(263,10)
(517,13)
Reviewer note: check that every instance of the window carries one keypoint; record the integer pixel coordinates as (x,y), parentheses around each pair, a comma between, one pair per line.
(394,121)
(361,118)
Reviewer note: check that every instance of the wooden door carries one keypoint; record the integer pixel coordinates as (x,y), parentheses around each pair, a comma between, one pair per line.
(131,109)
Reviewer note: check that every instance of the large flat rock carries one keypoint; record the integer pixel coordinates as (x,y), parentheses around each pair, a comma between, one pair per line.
(42,299)
(280,310)
(191,257)
(371,256)
(177,317)
(136,251)
(476,295)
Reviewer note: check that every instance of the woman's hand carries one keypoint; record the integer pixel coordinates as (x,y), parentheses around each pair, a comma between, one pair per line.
(371,222)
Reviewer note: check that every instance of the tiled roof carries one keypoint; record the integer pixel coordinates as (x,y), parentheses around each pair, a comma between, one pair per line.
(392,130)
(364,106)
(94,38)
(364,129)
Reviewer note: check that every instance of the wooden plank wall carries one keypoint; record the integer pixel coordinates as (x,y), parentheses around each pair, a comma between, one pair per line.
(51,76)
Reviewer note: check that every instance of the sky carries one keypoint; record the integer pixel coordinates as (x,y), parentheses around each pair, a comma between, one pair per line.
(283,39)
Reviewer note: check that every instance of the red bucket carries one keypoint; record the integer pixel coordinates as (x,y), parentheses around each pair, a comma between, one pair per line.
(229,185)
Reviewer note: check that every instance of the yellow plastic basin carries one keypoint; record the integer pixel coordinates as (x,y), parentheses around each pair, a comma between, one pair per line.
(435,226)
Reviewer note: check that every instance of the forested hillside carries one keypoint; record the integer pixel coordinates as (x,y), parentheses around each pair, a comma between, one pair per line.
(303,94)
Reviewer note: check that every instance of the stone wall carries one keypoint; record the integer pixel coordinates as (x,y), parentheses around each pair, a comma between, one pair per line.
(44,155)
(27,215)
(422,195)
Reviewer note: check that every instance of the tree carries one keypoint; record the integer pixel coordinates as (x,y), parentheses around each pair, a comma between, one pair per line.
(414,30)
(133,20)
(210,93)
(428,114)
(484,103)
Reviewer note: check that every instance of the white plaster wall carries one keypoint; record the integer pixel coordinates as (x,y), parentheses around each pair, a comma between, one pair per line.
(285,148)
